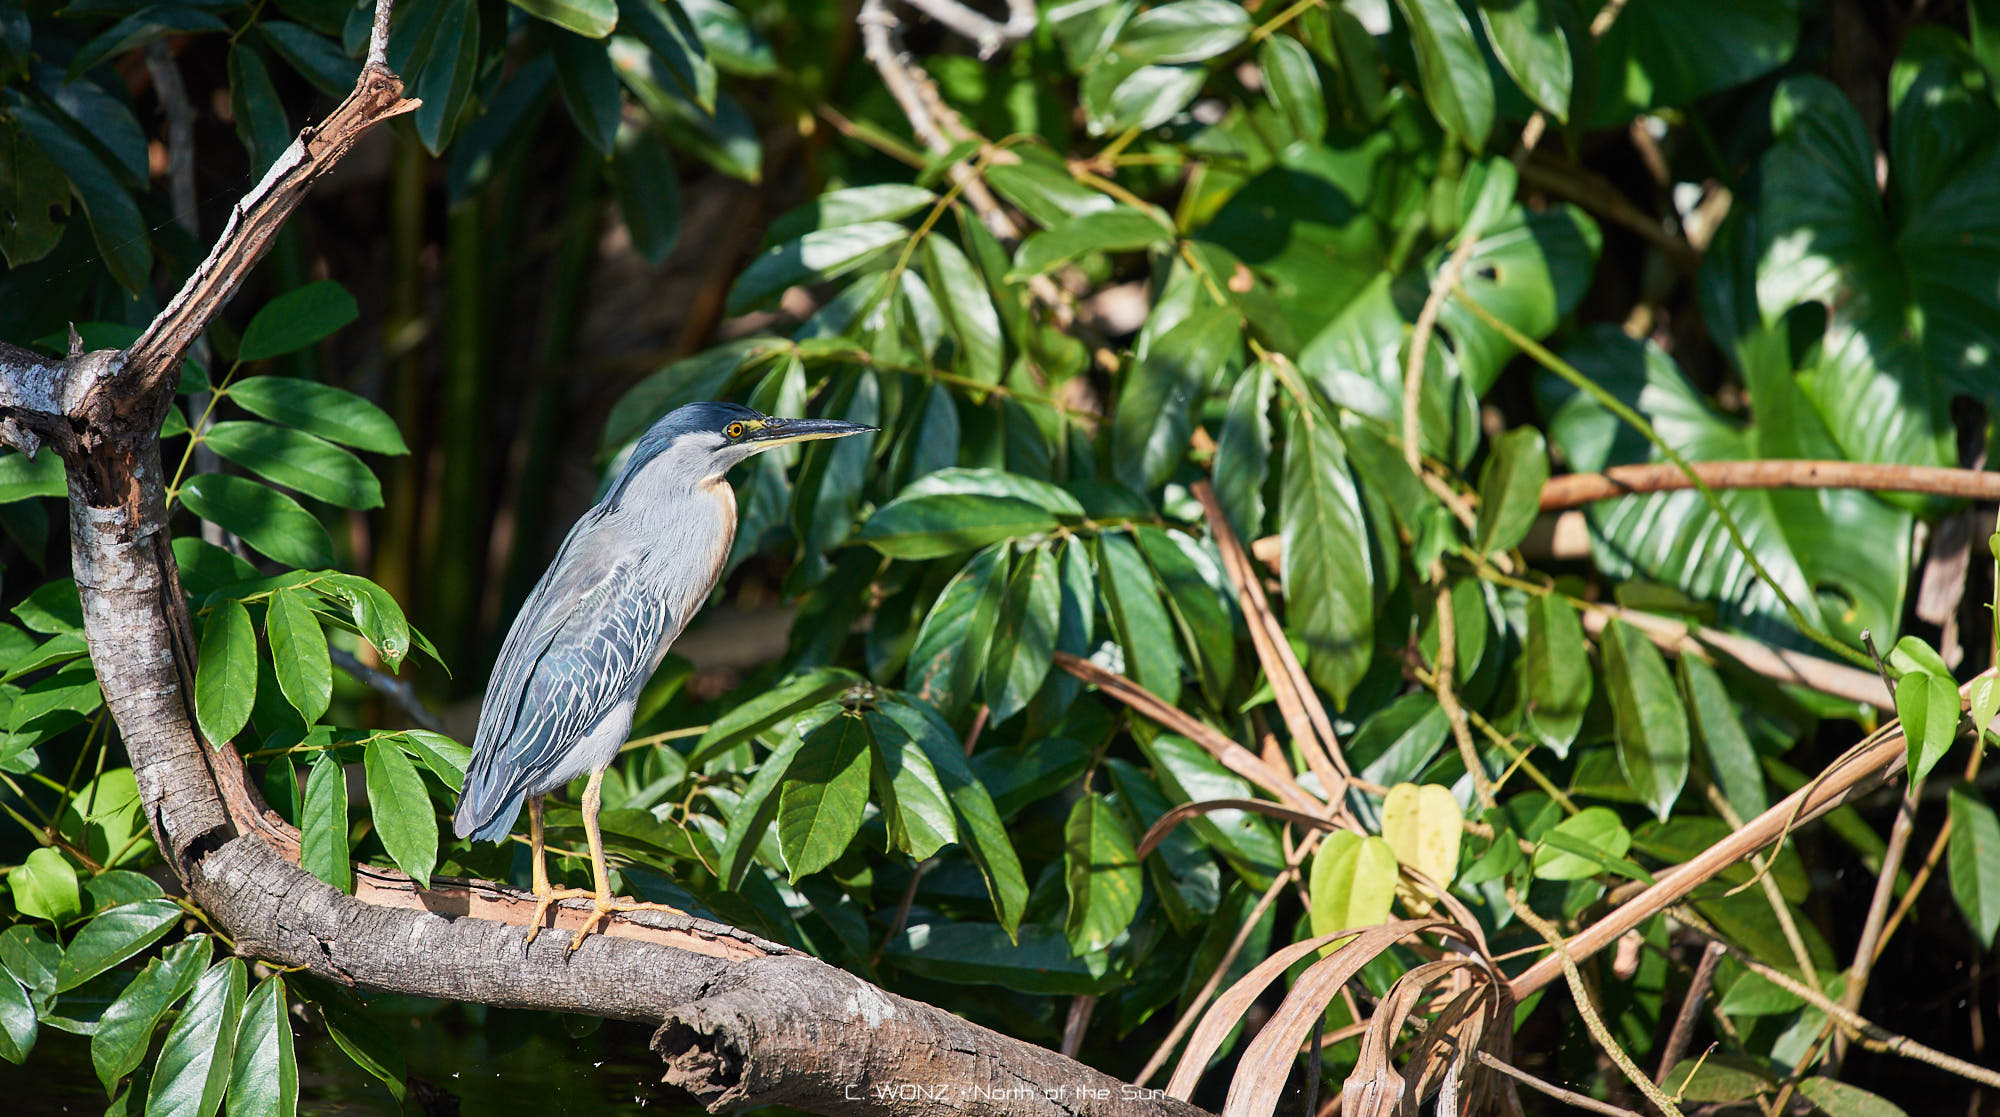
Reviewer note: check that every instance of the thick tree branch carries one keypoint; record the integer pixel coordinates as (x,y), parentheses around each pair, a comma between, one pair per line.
(744,1021)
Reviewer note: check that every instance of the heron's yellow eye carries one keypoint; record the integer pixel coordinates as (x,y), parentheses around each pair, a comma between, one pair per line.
(733,430)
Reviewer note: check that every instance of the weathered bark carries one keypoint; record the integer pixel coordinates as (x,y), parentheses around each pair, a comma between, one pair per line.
(744,1020)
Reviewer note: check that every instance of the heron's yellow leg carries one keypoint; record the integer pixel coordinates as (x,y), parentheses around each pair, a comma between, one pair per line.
(544,895)
(603,904)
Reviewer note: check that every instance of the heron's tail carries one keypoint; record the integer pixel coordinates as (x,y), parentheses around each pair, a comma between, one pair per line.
(489,806)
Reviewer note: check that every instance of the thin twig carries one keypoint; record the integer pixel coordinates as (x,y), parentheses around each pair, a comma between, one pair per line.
(1447,664)
(1576,489)
(1866,950)
(1698,987)
(1567,1097)
(1591,1020)
(1080,1010)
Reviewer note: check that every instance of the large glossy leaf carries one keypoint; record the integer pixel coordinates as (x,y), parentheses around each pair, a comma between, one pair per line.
(951,648)
(33,194)
(297,460)
(1974,861)
(751,819)
(299,653)
(967,306)
(266,519)
(1928,707)
(592,18)
(1353,882)
(1510,488)
(590,88)
(44,886)
(1452,69)
(127,1025)
(1024,639)
(1802,539)
(1555,672)
(195,1062)
(112,937)
(115,224)
(769,708)
(225,682)
(889,201)
(957,510)
(823,795)
(1101,873)
(1038,962)
(1329,594)
(980,830)
(915,805)
(260,115)
(334,414)
(1911,288)
(18,1026)
(1654,56)
(264,1073)
(1192,582)
(1731,757)
(1532,44)
(1243,451)
(294,320)
(1184,31)
(1529,269)
(815,257)
(1652,728)
(1293,83)
(1149,431)
(401,809)
(1596,828)
(1139,619)
(1123,229)
(323,850)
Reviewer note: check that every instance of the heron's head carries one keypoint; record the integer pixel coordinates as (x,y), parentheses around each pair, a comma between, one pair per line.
(706,439)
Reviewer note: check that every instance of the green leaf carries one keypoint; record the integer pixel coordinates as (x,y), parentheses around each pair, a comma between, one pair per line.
(1150,428)
(1035,961)
(116,227)
(1194,588)
(1353,882)
(647,187)
(1838,1099)
(264,1074)
(1329,595)
(952,645)
(323,848)
(195,1061)
(823,795)
(17,1021)
(1598,829)
(334,414)
(401,810)
(1510,489)
(589,87)
(956,510)
(980,830)
(44,886)
(1555,672)
(1293,83)
(225,683)
(1024,639)
(1043,188)
(32,191)
(1928,707)
(767,708)
(126,1028)
(591,18)
(299,653)
(1533,47)
(53,608)
(1730,754)
(1243,451)
(444,85)
(1984,695)
(968,308)
(295,320)
(754,812)
(1451,69)
(297,460)
(1651,725)
(1653,55)
(915,806)
(268,520)
(816,257)
(1974,859)
(1122,229)
(1184,31)
(361,1038)
(113,937)
(374,613)
(890,201)
(260,114)
(446,758)
(1101,874)
(1138,619)
(675,44)
(21,479)
(316,58)
(32,954)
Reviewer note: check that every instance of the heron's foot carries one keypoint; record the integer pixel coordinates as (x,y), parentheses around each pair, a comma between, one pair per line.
(544,899)
(604,908)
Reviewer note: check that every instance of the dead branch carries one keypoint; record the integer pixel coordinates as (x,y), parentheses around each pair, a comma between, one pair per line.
(1575,489)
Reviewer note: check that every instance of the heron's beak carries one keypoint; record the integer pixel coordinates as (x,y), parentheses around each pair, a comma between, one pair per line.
(779,433)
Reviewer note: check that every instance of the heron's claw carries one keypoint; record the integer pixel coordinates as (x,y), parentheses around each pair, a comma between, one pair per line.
(603,909)
(544,899)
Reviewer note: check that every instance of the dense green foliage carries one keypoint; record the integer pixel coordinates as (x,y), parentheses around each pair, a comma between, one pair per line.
(1727,256)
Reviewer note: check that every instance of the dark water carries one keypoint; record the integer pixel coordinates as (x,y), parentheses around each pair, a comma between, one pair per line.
(461,1060)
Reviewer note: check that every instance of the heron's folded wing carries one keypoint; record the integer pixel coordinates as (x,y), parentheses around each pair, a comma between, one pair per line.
(578,648)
